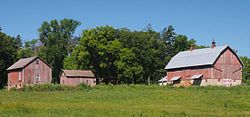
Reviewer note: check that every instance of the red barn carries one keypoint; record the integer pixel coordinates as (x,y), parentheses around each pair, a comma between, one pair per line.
(27,71)
(76,77)
(209,66)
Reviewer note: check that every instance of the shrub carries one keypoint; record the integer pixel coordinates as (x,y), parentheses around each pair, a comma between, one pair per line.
(247,82)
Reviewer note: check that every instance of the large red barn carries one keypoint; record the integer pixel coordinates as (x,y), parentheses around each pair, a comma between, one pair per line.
(32,70)
(209,66)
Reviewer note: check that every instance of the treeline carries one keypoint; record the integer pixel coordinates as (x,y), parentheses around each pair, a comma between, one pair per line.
(114,55)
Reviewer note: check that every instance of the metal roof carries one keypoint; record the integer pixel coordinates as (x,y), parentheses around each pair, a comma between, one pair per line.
(175,78)
(79,73)
(197,57)
(22,63)
(164,79)
(196,76)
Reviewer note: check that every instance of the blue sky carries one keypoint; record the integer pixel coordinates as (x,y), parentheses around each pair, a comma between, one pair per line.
(227,21)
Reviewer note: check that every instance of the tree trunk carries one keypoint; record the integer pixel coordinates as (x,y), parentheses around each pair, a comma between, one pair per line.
(148,80)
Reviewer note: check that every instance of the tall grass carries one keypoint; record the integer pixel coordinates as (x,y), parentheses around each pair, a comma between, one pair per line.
(126,101)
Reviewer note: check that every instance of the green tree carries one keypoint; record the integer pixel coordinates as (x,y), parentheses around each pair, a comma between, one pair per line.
(8,55)
(127,67)
(56,36)
(98,50)
(30,49)
(18,41)
(246,68)
(181,43)
(147,47)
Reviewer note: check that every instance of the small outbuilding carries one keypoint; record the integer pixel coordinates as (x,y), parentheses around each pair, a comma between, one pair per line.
(209,66)
(76,77)
(27,71)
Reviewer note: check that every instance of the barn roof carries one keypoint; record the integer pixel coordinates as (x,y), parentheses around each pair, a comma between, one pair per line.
(79,73)
(197,57)
(24,62)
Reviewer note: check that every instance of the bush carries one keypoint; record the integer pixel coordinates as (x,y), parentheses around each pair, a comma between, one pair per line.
(53,87)
(83,86)
(247,82)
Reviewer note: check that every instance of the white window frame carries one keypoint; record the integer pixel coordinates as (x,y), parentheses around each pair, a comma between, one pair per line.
(37,78)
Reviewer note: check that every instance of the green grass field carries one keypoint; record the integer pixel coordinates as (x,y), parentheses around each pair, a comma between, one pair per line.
(128,101)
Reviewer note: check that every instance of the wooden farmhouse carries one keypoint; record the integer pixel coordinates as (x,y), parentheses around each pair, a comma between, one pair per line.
(209,66)
(76,77)
(27,71)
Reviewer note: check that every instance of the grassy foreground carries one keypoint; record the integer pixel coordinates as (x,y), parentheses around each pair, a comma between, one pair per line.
(128,101)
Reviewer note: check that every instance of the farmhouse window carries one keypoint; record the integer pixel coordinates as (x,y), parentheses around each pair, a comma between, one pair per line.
(37,77)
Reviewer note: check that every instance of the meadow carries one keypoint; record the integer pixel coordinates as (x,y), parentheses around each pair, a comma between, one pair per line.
(126,101)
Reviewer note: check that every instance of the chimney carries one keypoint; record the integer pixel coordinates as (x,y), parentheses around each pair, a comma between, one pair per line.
(213,44)
(191,47)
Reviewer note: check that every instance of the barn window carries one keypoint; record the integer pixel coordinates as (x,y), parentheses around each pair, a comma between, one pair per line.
(206,80)
(87,81)
(37,61)
(37,77)
(218,80)
(234,80)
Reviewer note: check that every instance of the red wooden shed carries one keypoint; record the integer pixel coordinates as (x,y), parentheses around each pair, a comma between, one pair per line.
(76,77)
(27,71)
(209,66)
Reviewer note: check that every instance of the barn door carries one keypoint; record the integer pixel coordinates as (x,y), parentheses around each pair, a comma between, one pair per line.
(227,71)
(227,80)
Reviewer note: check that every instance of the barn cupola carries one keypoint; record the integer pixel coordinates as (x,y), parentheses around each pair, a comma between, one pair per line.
(213,44)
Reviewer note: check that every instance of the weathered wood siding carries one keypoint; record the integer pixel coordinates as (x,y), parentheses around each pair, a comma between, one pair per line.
(187,73)
(13,78)
(19,77)
(228,66)
(41,69)
(74,81)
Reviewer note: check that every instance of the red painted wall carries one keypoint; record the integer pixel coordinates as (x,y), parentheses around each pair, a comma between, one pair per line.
(28,74)
(41,69)
(227,66)
(13,77)
(187,73)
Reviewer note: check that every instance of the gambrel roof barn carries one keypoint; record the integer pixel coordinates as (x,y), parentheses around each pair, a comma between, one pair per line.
(209,66)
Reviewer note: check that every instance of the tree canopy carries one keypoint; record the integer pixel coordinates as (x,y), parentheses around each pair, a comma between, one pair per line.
(56,37)
(124,56)
(8,54)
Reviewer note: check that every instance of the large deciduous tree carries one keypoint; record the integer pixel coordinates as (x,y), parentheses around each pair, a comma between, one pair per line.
(8,55)
(98,50)
(56,37)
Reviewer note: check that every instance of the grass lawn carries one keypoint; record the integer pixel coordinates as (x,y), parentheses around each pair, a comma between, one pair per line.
(128,101)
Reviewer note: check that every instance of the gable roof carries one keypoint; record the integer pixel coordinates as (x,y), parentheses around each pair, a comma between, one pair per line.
(198,57)
(79,73)
(24,62)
